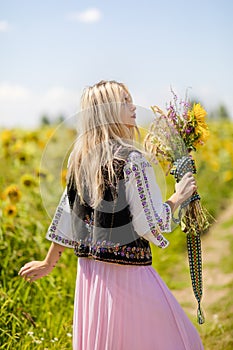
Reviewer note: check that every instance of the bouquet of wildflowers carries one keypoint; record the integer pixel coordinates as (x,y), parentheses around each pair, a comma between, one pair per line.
(171,139)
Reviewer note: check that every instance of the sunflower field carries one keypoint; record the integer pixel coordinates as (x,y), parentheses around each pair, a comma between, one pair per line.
(32,178)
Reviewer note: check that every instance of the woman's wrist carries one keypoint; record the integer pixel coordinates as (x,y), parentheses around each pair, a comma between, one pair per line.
(54,254)
(174,201)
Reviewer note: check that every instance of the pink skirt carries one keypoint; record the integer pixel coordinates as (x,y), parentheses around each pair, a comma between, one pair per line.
(128,307)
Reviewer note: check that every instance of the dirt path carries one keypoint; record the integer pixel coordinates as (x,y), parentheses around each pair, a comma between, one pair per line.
(215,246)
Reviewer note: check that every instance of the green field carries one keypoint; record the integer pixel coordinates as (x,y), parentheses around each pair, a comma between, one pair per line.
(32,177)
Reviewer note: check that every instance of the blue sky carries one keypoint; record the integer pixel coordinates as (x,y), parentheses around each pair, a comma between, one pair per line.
(51,50)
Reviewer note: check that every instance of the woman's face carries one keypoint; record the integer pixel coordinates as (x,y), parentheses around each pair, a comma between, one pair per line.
(128,111)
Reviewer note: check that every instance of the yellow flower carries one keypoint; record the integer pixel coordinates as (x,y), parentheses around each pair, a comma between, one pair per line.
(227,175)
(203,133)
(199,112)
(10,210)
(18,146)
(28,180)
(7,136)
(63,177)
(13,193)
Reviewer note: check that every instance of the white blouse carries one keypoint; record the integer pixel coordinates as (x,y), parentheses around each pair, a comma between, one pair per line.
(150,216)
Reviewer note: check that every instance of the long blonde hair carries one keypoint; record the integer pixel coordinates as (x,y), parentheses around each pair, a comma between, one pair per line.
(101,129)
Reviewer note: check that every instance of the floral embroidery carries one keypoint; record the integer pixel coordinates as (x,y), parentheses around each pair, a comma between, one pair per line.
(53,227)
(57,216)
(163,226)
(61,239)
(110,251)
(153,219)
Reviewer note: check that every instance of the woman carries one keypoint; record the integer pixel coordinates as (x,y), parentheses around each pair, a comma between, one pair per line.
(110,211)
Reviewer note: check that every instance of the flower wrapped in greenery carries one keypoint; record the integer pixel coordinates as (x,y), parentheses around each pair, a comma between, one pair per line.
(171,139)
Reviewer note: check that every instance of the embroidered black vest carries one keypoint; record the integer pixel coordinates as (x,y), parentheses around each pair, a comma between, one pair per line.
(106,233)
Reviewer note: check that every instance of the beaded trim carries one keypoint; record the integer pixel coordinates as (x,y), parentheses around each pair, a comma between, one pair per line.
(195,264)
(99,250)
(181,166)
(124,262)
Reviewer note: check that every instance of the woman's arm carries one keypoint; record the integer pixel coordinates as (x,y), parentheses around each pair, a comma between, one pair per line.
(37,269)
(151,217)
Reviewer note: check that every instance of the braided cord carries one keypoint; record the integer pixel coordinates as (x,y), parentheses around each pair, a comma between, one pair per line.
(195,268)
(190,226)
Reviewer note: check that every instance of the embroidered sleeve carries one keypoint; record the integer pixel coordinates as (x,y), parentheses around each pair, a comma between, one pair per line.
(150,216)
(60,229)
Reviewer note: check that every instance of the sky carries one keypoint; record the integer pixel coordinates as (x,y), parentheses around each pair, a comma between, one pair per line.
(50,50)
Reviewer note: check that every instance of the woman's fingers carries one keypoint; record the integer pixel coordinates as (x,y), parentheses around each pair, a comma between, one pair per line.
(187,186)
(25,269)
(34,270)
(190,179)
(31,276)
(189,174)
(26,272)
(34,278)
(27,266)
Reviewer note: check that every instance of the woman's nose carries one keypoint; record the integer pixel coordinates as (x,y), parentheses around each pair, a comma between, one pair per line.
(132,107)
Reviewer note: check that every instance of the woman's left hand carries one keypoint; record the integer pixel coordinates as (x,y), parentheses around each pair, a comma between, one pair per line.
(35,270)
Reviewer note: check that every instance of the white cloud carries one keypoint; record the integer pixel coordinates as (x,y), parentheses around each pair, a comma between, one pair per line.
(4,26)
(9,92)
(19,106)
(58,99)
(90,15)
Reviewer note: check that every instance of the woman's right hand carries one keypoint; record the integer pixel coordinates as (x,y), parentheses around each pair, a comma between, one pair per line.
(35,270)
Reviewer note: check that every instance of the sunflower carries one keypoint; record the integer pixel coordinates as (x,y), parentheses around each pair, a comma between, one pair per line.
(197,114)
(203,134)
(7,137)
(28,180)
(10,210)
(63,177)
(13,193)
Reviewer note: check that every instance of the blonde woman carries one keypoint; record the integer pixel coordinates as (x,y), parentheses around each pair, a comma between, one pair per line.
(109,213)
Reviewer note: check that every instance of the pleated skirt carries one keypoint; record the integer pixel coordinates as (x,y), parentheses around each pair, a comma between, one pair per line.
(128,307)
